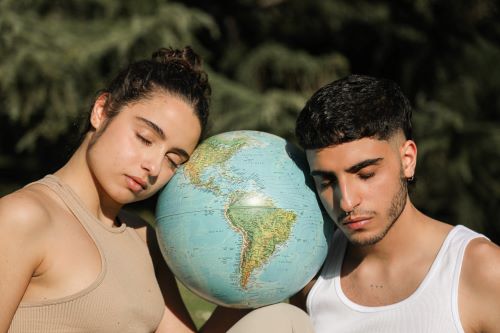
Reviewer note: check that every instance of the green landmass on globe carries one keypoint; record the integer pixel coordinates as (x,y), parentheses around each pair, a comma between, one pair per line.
(239,224)
(263,227)
(213,153)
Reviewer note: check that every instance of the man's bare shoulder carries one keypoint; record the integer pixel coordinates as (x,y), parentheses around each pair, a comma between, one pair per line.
(481,260)
(479,285)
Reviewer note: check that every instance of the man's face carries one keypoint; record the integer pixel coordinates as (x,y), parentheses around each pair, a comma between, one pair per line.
(362,184)
(133,155)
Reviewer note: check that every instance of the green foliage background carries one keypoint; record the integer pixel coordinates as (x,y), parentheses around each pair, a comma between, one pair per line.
(265,58)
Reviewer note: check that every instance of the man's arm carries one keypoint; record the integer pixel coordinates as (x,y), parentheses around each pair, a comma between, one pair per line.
(479,288)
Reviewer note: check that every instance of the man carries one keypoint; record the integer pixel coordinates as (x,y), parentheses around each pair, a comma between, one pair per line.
(390,267)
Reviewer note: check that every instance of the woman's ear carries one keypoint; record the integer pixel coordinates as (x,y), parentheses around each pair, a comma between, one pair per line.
(98,114)
(409,158)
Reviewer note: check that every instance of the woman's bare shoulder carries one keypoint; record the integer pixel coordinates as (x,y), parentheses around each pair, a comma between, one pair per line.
(25,229)
(25,209)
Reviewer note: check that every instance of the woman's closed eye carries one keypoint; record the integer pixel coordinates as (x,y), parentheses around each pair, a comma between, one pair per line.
(143,140)
(174,160)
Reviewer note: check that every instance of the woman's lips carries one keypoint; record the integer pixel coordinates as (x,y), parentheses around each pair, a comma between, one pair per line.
(136,184)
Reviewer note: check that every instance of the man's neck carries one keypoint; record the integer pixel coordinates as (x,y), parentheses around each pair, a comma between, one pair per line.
(390,270)
(402,239)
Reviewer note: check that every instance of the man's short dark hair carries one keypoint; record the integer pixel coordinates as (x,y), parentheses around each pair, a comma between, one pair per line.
(353,108)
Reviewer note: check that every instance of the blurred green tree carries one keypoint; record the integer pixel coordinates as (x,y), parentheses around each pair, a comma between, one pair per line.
(265,58)
(444,54)
(57,54)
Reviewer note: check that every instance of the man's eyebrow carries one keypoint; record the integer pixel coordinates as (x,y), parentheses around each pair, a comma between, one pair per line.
(353,169)
(153,126)
(358,166)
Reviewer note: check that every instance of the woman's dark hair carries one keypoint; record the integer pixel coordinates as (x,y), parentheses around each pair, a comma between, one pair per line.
(353,108)
(177,72)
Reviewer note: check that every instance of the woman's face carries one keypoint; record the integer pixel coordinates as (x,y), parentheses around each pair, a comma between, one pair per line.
(137,152)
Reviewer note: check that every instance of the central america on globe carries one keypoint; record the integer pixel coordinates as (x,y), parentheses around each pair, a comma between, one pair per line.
(240,224)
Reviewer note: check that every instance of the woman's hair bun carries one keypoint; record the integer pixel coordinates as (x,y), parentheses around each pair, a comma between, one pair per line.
(187,55)
(176,71)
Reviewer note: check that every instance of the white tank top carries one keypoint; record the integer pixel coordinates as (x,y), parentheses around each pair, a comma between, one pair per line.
(433,307)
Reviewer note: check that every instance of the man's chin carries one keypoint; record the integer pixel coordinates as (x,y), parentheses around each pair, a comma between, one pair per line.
(361,240)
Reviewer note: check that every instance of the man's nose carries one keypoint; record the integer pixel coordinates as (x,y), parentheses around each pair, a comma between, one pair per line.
(347,196)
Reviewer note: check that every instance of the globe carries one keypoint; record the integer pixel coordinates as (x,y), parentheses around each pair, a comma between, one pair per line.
(239,224)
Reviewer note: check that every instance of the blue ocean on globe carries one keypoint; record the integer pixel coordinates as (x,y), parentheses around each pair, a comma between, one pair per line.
(240,224)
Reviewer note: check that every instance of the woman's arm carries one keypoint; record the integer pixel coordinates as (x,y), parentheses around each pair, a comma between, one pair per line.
(222,319)
(23,223)
(176,317)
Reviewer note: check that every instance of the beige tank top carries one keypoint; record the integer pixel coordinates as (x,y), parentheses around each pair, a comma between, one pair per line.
(124,298)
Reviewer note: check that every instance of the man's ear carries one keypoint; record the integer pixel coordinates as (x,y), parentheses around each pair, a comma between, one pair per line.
(98,114)
(409,158)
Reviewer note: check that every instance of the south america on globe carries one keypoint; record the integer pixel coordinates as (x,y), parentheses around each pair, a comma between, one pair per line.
(239,224)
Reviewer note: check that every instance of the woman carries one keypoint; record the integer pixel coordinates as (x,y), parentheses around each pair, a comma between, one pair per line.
(70,259)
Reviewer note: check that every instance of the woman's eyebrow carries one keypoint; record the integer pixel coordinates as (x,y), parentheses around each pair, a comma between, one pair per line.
(153,126)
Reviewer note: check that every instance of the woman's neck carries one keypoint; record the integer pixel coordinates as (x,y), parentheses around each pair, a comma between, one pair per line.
(78,176)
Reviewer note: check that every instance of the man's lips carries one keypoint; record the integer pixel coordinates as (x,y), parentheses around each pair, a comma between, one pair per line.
(355,219)
(356,222)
